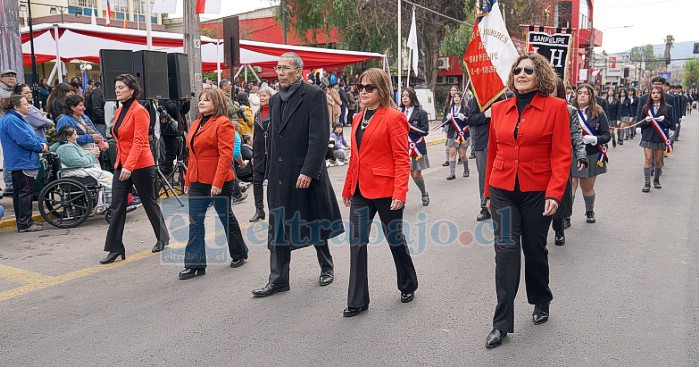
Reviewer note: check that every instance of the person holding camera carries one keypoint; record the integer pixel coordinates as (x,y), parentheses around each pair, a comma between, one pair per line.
(170,131)
(245,119)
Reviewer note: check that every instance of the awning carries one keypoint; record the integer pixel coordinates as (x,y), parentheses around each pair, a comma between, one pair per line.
(77,41)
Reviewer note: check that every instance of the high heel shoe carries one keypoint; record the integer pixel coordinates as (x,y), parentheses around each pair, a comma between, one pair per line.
(112,256)
(259,214)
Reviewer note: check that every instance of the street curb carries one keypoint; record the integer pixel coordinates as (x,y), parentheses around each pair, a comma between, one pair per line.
(11,223)
(437,141)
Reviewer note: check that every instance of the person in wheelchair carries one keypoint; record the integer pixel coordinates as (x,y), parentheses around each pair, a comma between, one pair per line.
(89,137)
(78,161)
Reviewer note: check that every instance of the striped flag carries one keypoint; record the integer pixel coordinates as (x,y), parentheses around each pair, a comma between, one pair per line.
(109,14)
(208,6)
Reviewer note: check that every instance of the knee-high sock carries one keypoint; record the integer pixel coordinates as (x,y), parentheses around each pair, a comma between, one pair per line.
(589,203)
(658,172)
(646,174)
(465,163)
(420,182)
(452,167)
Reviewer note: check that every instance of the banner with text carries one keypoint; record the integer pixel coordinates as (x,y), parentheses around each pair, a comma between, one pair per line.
(554,47)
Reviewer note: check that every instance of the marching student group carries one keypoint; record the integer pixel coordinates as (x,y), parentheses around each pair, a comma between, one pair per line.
(533,148)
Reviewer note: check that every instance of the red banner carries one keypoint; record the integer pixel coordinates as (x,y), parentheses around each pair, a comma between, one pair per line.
(485,81)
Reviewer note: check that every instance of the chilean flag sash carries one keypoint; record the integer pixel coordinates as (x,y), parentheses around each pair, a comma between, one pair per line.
(587,130)
(661,131)
(460,131)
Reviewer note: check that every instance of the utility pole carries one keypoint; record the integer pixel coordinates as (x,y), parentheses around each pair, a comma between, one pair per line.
(192,47)
(11,50)
(35,82)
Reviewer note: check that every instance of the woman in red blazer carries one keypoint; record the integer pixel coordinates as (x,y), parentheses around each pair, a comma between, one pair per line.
(528,166)
(377,181)
(211,178)
(134,166)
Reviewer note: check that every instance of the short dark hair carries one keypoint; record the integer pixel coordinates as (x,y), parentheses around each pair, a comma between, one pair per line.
(131,82)
(12,102)
(243,99)
(72,101)
(63,134)
(19,88)
(657,79)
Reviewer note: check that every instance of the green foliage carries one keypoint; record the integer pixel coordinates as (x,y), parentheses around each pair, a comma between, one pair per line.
(645,53)
(691,72)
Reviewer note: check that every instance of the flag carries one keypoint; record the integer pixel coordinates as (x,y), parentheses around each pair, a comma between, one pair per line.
(490,54)
(109,14)
(208,6)
(165,6)
(412,43)
(125,22)
(93,17)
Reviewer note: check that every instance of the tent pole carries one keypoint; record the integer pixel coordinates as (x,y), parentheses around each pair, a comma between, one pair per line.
(237,73)
(149,27)
(53,74)
(388,71)
(254,73)
(58,54)
(218,62)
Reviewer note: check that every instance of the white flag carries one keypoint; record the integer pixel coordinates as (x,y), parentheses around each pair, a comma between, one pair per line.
(165,6)
(208,6)
(93,17)
(412,43)
(497,41)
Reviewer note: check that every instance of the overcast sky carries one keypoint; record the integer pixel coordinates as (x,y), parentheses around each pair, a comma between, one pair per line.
(651,20)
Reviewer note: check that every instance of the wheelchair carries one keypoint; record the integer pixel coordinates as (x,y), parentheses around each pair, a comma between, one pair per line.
(67,201)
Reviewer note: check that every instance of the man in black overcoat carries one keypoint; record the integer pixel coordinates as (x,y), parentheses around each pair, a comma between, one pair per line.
(302,204)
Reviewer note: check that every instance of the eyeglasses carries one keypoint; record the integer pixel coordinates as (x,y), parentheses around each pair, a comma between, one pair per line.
(527,70)
(283,68)
(367,87)
(11,76)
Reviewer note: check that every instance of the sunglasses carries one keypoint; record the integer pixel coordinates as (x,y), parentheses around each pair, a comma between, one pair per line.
(367,87)
(527,70)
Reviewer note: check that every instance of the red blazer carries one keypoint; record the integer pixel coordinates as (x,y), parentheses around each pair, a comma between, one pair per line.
(211,156)
(133,147)
(382,166)
(540,156)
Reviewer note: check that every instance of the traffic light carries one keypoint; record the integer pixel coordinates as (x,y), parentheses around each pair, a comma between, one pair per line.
(633,84)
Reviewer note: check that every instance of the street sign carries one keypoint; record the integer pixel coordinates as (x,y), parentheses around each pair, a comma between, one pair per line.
(612,62)
(665,74)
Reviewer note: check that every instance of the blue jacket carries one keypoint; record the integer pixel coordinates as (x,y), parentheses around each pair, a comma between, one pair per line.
(82,137)
(20,145)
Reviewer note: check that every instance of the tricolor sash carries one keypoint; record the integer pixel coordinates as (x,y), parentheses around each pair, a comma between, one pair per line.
(460,131)
(661,131)
(587,130)
(414,146)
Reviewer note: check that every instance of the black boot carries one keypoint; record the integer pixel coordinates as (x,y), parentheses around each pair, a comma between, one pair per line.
(259,214)
(559,238)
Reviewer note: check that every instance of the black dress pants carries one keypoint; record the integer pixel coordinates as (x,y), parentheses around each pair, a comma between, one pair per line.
(23,189)
(362,212)
(199,200)
(280,259)
(520,226)
(258,189)
(144,180)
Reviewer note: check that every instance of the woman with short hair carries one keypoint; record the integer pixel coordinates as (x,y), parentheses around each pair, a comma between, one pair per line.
(259,151)
(36,117)
(529,155)
(89,137)
(134,166)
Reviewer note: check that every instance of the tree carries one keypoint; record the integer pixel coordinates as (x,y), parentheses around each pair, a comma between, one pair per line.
(669,42)
(691,73)
(640,54)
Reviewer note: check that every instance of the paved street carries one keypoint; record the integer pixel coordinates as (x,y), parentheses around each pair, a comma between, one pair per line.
(626,291)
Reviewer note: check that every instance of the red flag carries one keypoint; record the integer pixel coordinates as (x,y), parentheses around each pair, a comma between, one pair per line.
(485,81)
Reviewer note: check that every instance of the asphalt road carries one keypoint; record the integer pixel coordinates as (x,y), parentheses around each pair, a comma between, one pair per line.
(625,289)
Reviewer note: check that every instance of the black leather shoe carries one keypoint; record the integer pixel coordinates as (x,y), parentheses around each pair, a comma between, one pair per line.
(159,246)
(541,313)
(559,238)
(566,222)
(236,263)
(646,187)
(407,297)
(354,311)
(495,338)
(590,217)
(484,215)
(451,177)
(111,257)
(191,273)
(467,173)
(270,289)
(259,214)
(325,278)
(425,199)
(445,164)
(657,185)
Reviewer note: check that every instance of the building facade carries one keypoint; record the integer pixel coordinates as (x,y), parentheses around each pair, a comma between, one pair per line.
(129,12)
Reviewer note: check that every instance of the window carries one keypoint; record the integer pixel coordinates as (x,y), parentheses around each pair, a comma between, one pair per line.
(563,14)
(83,3)
(584,14)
